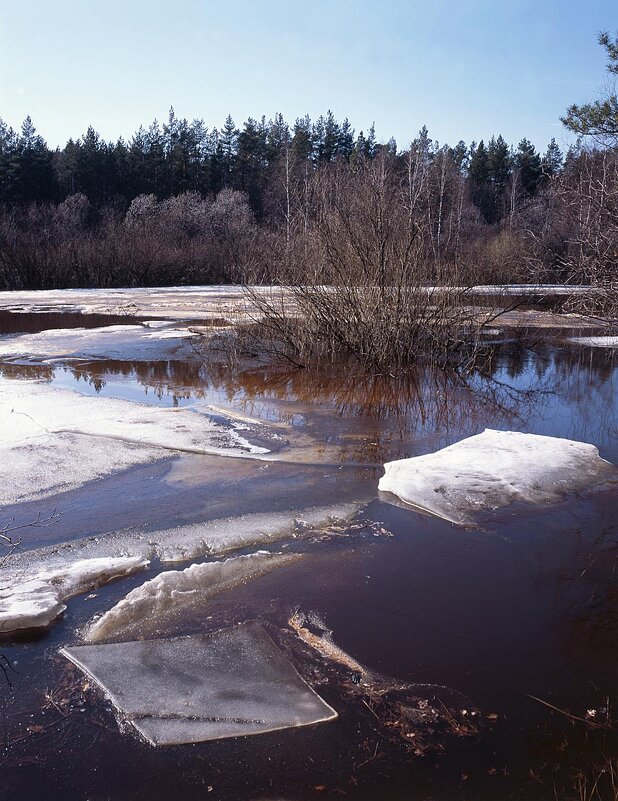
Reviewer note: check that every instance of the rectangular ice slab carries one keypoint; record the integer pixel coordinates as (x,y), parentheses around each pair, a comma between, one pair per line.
(191,689)
(493,469)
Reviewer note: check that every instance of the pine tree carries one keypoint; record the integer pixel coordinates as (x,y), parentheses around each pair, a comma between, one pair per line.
(345,146)
(552,160)
(598,118)
(302,139)
(459,156)
(478,177)
(528,163)
(228,141)
(29,169)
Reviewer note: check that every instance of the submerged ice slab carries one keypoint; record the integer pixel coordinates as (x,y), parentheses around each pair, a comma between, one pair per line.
(53,439)
(191,689)
(121,342)
(34,601)
(491,470)
(159,601)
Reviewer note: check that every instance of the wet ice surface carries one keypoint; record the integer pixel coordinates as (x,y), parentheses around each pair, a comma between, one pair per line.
(169,302)
(494,469)
(34,599)
(163,599)
(53,439)
(199,539)
(36,582)
(228,684)
(136,342)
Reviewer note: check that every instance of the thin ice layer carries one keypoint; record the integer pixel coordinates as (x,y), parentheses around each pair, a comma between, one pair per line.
(34,601)
(494,469)
(226,534)
(121,342)
(191,689)
(188,542)
(152,606)
(53,439)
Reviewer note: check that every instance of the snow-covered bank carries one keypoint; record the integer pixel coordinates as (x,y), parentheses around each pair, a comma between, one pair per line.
(52,440)
(157,602)
(172,303)
(494,469)
(34,601)
(116,342)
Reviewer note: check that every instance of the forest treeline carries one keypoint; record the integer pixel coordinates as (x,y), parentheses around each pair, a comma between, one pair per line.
(270,201)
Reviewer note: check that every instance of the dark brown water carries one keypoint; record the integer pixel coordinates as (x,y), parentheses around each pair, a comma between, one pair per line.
(14,322)
(525,605)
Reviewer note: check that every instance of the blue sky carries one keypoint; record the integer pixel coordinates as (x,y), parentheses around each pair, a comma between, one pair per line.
(465,68)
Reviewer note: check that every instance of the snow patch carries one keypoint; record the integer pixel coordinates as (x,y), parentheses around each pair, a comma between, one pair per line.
(491,470)
(117,342)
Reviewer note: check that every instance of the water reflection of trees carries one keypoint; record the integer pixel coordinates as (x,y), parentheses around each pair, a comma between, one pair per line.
(510,385)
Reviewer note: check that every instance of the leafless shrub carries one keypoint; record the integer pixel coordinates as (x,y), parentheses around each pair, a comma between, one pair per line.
(375,275)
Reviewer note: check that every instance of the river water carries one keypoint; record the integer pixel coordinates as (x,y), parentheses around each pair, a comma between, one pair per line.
(523,605)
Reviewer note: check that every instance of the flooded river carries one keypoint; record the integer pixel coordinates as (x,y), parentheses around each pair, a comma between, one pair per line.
(512,622)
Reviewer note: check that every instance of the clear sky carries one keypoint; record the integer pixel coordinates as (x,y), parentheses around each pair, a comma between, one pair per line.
(465,68)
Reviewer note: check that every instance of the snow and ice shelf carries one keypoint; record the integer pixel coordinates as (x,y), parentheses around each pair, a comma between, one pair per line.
(494,469)
(35,601)
(191,689)
(157,603)
(52,440)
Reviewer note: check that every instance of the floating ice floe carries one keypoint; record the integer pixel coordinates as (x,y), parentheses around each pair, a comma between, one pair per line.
(595,342)
(152,606)
(191,689)
(119,342)
(491,470)
(53,439)
(33,601)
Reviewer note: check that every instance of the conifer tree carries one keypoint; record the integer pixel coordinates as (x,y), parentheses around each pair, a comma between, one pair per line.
(528,163)
(599,118)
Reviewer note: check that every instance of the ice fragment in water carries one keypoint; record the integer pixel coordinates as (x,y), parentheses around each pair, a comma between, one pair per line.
(190,689)
(34,601)
(160,600)
(493,469)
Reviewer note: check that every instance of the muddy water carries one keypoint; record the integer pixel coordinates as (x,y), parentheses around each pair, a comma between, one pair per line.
(524,605)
